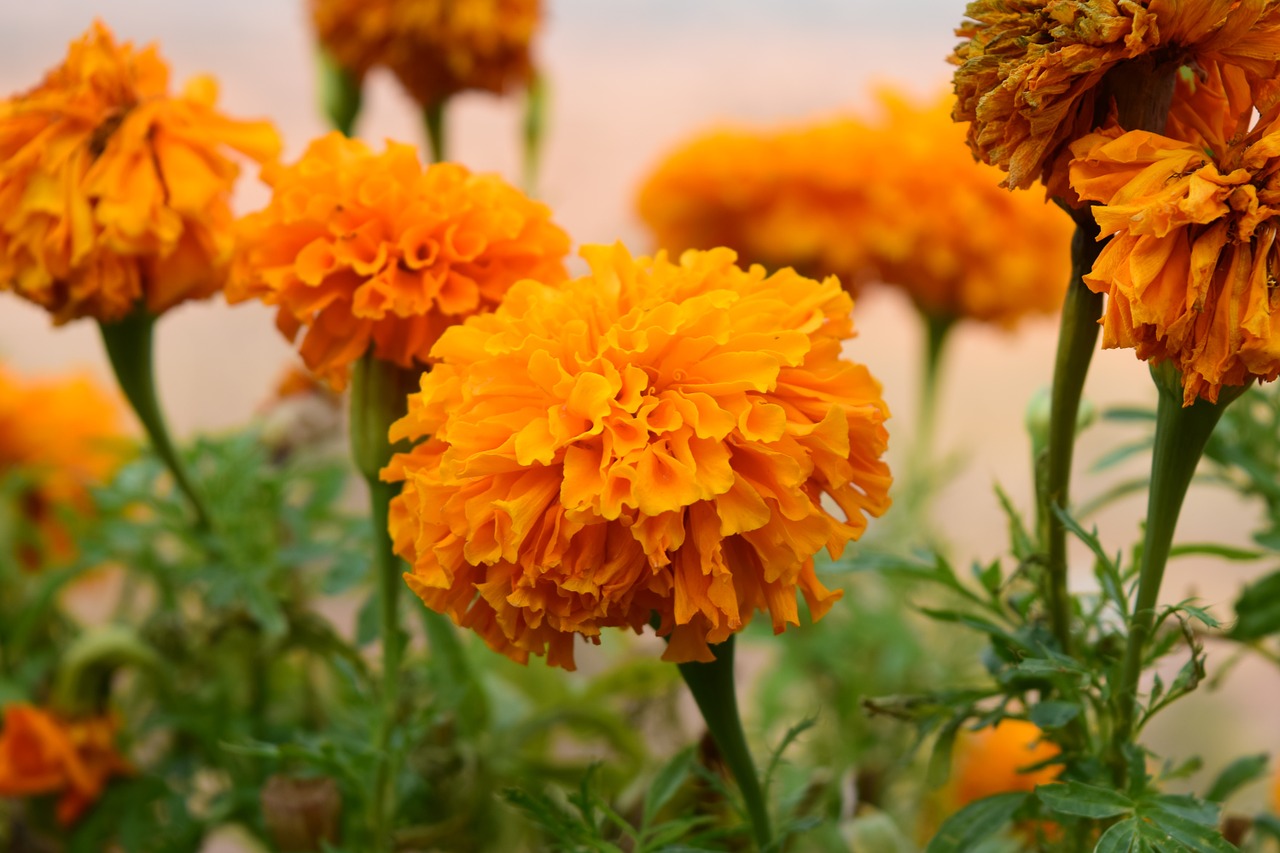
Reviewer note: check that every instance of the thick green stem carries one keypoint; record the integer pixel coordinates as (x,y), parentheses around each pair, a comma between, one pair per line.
(1077,338)
(129,344)
(433,119)
(1181,435)
(379,397)
(712,686)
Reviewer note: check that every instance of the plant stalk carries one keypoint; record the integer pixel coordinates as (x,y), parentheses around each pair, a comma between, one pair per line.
(129,348)
(1181,435)
(433,119)
(937,332)
(1077,339)
(712,686)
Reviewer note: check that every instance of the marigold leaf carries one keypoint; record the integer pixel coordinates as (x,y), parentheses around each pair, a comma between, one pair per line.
(1236,775)
(1082,800)
(1123,837)
(979,820)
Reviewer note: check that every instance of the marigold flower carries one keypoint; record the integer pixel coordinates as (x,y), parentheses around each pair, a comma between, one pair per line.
(654,438)
(895,198)
(62,436)
(1190,267)
(1031,72)
(41,753)
(114,191)
(363,248)
(996,760)
(436,48)
(948,235)
(790,198)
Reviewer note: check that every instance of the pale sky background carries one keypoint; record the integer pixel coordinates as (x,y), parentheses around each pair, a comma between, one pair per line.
(630,79)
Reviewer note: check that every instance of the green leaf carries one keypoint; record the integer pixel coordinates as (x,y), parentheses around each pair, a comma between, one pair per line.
(368,621)
(665,785)
(1054,714)
(940,759)
(1119,454)
(1161,827)
(977,821)
(1081,800)
(1210,549)
(1236,775)
(1129,413)
(1123,837)
(1184,806)
(1258,610)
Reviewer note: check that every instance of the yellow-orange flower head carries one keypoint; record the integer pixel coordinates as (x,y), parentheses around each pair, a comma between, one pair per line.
(112,190)
(1031,72)
(788,198)
(653,438)
(895,198)
(941,229)
(41,753)
(61,437)
(436,48)
(361,248)
(1190,270)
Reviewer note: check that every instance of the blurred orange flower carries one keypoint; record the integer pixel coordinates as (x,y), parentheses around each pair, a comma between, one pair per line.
(60,436)
(894,197)
(995,760)
(436,48)
(1190,267)
(362,248)
(114,191)
(792,198)
(41,753)
(651,438)
(1033,75)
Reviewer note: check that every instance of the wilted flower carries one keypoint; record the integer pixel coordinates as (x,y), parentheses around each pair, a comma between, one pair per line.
(112,190)
(1190,267)
(653,439)
(361,248)
(60,436)
(1000,759)
(1035,75)
(436,48)
(41,753)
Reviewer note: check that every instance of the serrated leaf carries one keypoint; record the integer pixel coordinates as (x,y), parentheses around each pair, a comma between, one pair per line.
(975,822)
(1053,714)
(1184,806)
(1079,799)
(1161,826)
(1257,610)
(1236,775)
(1123,837)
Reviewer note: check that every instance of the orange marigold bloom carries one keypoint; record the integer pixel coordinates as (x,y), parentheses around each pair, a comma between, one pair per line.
(1190,267)
(436,48)
(114,191)
(995,760)
(1033,74)
(41,753)
(895,198)
(791,198)
(651,438)
(948,235)
(61,436)
(364,248)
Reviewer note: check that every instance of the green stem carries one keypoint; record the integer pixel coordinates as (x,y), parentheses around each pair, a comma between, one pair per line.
(1077,338)
(433,118)
(129,345)
(937,332)
(379,397)
(1181,435)
(712,686)
(535,124)
(340,94)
